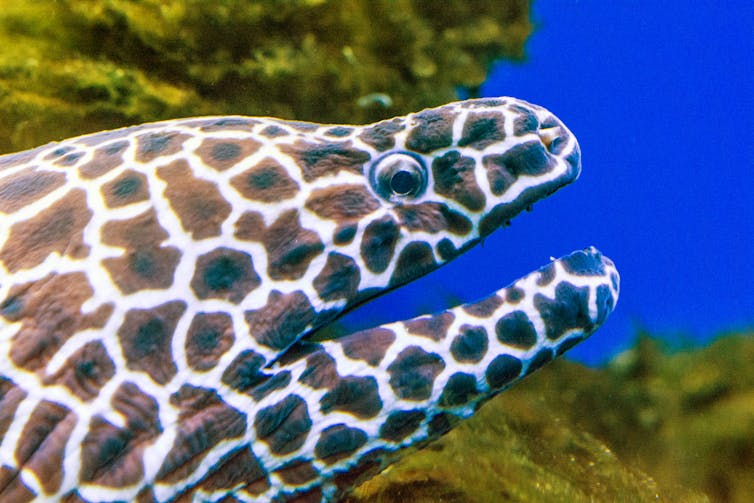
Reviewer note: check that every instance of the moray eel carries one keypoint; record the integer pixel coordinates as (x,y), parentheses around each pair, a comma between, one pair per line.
(160,286)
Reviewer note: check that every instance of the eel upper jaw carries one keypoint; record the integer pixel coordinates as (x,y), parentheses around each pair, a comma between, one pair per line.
(560,146)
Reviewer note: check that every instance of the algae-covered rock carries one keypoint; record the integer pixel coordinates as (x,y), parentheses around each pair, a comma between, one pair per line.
(75,66)
(649,427)
(691,415)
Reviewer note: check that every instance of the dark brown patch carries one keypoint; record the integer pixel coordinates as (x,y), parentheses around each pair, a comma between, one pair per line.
(69,159)
(240,467)
(432,129)
(434,327)
(413,373)
(209,336)
(276,381)
(381,136)
(503,370)
(290,247)
(130,187)
(42,443)
(455,177)
(342,203)
(150,146)
(144,263)
(58,152)
(485,307)
(470,345)
(298,352)
(50,312)
(320,371)
(459,390)
(516,329)
(325,159)
(416,259)
(546,274)
(268,182)
(13,488)
(250,226)
(529,159)
(21,189)
(499,176)
(204,420)
(369,345)
(223,153)
(433,218)
(112,456)
(104,159)
(482,129)
(527,122)
(146,336)
(58,228)
(337,442)
(514,295)
(338,279)
(303,348)
(224,274)
(145,495)
(274,131)
(198,203)
(448,251)
(283,426)
(10,396)
(245,371)
(339,131)
(297,472)
(567,311)
(344,234)
(355,395)
(85,371)
(280,322)
(378,243)
(400,424)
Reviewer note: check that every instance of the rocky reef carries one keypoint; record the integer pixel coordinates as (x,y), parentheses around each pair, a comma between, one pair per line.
(650,426)
(69,67)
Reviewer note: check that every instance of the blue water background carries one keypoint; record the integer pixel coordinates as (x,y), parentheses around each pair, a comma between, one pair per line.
(661,98)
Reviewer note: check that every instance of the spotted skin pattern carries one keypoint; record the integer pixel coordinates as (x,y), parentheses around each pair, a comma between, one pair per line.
(159,285)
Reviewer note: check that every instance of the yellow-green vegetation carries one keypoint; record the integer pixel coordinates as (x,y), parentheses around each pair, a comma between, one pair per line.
(650,426)
(74,66)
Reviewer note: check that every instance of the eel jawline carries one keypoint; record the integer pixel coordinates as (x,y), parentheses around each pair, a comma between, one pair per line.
(421,388)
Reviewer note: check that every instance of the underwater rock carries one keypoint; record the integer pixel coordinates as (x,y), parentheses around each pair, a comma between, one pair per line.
(78,66)
(650,426)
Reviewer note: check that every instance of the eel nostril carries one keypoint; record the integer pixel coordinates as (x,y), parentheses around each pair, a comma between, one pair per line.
(550,137)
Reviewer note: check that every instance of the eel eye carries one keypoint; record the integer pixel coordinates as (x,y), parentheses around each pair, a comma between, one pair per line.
(398,177)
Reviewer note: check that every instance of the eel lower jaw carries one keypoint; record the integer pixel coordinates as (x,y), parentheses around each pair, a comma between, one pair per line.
(583,269)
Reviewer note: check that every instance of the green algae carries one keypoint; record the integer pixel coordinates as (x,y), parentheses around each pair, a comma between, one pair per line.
(74,66)
(649,426)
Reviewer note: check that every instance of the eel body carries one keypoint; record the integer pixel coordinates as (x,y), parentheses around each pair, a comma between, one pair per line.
(160,286)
